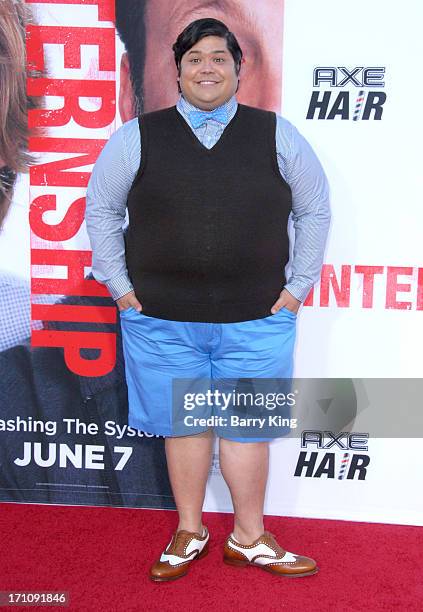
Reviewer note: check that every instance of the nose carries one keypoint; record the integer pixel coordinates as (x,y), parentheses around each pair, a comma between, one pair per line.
(207,65)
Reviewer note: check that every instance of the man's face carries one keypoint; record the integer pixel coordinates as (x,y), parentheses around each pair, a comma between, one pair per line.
(258,27)
(208,76)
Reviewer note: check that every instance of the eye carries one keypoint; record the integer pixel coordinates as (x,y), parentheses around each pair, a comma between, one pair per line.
(219,59)
(194,60)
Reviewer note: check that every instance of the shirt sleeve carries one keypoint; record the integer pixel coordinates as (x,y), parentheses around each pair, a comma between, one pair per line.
(301,169)
(107,192)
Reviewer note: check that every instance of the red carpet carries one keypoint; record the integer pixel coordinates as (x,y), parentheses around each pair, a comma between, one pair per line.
(101,557)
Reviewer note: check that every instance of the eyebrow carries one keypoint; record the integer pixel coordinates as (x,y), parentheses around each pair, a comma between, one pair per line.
(200,52)
(220,5)
(180,12)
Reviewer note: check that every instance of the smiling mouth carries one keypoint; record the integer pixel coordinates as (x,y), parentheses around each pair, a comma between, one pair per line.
(207,82)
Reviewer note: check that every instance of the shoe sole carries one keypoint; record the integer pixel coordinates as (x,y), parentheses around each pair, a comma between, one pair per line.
(202,554)
(239,564)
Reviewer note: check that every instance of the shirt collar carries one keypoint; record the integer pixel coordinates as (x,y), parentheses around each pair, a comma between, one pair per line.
(185,107)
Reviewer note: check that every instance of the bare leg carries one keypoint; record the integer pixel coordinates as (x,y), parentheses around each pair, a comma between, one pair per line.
(245,467)
(188,462)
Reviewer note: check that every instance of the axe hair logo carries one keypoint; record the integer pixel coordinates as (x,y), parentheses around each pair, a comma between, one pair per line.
(348,465)
(359,103)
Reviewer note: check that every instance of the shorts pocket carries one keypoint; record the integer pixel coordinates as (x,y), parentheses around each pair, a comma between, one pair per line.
(126,309)
(127,312)
(289,312)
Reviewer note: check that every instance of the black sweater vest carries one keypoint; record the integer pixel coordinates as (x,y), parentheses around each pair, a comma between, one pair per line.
(207,238)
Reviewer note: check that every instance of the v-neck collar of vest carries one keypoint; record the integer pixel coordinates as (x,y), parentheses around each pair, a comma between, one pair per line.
(226,132)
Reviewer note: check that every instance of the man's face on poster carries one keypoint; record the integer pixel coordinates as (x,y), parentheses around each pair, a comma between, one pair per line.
(258,27)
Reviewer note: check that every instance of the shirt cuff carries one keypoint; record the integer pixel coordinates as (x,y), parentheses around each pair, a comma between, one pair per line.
(298,289)
(119,286)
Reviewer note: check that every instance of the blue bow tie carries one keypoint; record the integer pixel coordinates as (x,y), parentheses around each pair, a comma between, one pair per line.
(197,118)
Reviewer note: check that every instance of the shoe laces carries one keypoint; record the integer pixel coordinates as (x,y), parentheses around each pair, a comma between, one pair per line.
(179,542)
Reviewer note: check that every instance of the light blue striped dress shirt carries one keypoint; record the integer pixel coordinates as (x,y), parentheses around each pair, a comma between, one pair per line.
(118,164)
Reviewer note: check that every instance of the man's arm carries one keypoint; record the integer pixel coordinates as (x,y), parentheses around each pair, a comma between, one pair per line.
(300,167)
(110,182)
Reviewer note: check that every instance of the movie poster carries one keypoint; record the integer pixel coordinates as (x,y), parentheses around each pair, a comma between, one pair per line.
(73,72)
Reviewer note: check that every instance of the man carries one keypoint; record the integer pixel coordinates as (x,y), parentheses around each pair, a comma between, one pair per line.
(200,282)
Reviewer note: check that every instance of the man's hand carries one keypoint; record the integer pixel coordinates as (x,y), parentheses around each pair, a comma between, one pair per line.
(127,300)
(286,300)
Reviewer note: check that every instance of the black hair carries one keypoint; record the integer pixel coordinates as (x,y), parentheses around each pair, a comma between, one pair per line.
(201,28)
(131,29)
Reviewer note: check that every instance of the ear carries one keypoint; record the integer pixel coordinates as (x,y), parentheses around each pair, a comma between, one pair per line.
(239,79)
(126,93)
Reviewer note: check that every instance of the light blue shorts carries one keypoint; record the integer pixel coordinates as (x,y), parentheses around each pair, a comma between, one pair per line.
(157,351)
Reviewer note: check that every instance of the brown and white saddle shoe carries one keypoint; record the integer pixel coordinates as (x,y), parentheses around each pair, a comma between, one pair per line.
(266,553)
(184,547)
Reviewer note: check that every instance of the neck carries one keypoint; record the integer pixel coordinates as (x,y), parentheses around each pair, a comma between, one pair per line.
(208,108)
